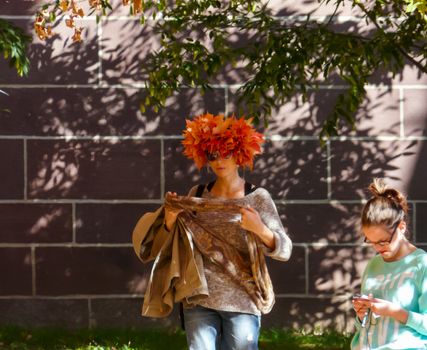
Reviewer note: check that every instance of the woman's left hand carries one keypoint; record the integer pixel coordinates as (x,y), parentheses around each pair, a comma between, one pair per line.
(387,308)
(381,307)
(251,220)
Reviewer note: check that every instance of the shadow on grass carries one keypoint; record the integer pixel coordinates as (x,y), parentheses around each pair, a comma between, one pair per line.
(14,338)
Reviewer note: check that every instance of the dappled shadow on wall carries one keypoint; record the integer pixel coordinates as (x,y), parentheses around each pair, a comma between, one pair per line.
(378,115)
(181,173)
(354,164)
(15,262)
(322,223)
(415,113)
(121,62)
(94,169)
(336,270)
(35,223)
(292,170)
(92,111)
(298,169)
(416,189)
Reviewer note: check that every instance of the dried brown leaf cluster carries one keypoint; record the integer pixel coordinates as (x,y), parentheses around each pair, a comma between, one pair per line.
(42,30)
(71,9)
(44,18)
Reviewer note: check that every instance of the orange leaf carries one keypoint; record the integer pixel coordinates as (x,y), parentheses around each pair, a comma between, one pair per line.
(137,6)
(63,5)
(95,4)
(70,22)
(77,35)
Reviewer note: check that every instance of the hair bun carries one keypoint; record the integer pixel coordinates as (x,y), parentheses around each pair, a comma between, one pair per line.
(379,188)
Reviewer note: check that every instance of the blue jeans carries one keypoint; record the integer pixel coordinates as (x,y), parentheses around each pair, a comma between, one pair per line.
(209,329)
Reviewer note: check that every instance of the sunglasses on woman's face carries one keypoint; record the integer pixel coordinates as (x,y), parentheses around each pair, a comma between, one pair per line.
(217,155)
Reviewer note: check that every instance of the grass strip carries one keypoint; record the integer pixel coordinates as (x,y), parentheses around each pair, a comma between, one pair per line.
(17,338)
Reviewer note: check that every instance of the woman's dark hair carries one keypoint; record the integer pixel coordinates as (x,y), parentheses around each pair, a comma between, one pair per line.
(387,206)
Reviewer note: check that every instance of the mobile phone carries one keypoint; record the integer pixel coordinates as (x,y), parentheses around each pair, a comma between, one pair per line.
(361,297)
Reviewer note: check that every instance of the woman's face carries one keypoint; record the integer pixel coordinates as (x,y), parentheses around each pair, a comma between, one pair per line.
(223,167)
(385,241)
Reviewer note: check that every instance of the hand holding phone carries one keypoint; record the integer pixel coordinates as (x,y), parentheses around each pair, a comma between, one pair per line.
(363,311)
(360,297)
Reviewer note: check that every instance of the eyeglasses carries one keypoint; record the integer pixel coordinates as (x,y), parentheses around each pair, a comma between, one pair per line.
(384,242)
(217,155)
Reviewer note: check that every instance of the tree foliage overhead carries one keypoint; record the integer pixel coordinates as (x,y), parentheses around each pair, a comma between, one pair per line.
(278,57)
(13,46)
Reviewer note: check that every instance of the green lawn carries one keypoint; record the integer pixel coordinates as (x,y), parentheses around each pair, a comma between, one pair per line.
(13,338)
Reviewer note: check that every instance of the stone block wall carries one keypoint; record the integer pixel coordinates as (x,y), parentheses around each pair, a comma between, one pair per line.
(79,164)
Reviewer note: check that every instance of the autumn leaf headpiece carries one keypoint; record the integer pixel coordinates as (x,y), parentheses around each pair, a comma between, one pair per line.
(209,133)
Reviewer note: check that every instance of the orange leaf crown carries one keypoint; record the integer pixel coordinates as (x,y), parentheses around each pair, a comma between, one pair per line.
(209,133)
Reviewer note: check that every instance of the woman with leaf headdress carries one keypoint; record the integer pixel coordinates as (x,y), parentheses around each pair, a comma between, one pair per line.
(243,226)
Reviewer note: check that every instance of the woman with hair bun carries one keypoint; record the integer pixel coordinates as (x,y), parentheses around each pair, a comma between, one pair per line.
(392,308)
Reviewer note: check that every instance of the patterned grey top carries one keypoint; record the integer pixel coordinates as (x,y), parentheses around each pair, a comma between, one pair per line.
(224,293)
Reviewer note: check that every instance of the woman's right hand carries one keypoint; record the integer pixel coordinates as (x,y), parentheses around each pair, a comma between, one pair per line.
(171,214)
(361,306)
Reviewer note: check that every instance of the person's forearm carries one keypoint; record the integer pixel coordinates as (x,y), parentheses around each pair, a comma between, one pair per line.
(399,314)
(266,236)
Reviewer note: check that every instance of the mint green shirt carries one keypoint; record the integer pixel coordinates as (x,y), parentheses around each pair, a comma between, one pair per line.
(402,282)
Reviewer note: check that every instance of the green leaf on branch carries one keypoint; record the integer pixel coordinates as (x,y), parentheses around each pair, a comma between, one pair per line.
(13,45)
